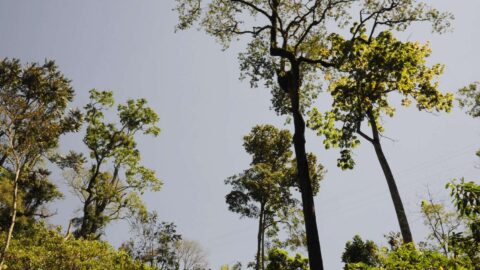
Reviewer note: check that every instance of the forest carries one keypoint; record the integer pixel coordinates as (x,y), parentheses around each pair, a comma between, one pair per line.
(348,101)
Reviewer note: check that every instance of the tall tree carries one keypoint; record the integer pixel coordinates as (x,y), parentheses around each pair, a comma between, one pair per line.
(378,67)
(264,190)
(33,115)
(286,50)
(115,178)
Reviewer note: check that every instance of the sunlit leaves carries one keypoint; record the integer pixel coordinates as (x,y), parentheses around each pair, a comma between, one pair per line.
(116,179)
(40,247)
(362,86)
(280,260)
(265,188)
(33,109)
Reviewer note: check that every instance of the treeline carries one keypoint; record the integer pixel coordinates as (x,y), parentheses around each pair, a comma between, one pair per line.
(291,50)
(108,180)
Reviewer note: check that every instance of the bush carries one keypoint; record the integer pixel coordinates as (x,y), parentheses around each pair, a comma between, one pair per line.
(43,248)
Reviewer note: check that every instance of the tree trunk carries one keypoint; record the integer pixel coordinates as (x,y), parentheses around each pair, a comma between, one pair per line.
(259,237)
(313,242)
(12,220)
(263,242)
(392,186)
(86,226)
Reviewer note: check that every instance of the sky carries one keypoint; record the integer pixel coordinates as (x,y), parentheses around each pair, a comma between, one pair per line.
(130,48)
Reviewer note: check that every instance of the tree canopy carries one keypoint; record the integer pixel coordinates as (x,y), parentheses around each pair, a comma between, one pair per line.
(363,86)
(116,177)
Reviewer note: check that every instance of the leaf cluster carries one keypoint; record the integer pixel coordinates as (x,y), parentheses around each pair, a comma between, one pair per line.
(280,260)
(469,99)
(364,83)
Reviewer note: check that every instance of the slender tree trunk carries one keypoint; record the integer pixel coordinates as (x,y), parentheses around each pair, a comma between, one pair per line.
(392,186)
(263,242)
(12,220)
(313,242)
(259,236)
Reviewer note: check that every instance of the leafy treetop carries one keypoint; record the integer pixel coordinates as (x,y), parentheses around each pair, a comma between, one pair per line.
(376,68)
(291,34)
(113,150)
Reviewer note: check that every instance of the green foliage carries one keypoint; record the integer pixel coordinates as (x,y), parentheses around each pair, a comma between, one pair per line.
(272,173)
(287,33)
(408,257)
(469,99)
(115,180)
(33,108)
(287,40)
(268,145)
(372,71)
(45,248)
(265,189)
(452,243)
(280,260)
(33,194)
(466,198)
(154,242)
(358,251)
(33,116)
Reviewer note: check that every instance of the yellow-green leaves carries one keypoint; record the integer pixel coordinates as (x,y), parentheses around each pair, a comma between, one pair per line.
(367,75)
(280,260)
(40,247)
(116,179)
(265,188)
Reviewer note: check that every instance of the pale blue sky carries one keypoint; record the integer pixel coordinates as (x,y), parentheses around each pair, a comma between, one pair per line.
(129,47)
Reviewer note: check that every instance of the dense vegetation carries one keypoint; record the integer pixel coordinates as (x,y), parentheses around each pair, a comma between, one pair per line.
(290,47)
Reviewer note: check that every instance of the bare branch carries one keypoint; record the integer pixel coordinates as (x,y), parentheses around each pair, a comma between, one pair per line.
(365,136)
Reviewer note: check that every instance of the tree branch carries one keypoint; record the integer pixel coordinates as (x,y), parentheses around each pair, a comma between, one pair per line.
(252,6)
